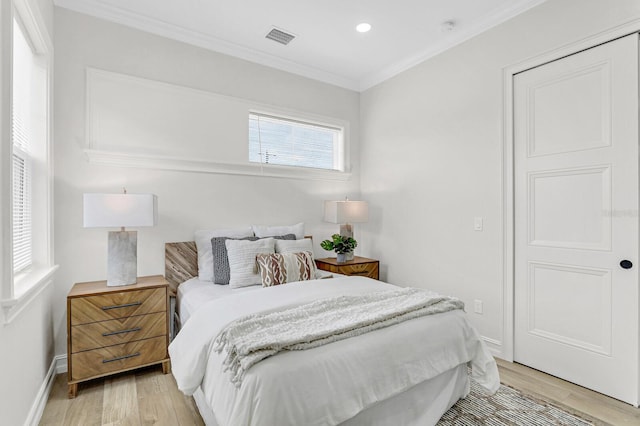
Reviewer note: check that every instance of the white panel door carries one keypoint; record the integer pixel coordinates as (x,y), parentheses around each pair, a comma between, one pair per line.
(576,218)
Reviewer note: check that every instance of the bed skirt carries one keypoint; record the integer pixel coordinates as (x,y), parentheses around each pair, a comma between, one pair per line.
(422,405)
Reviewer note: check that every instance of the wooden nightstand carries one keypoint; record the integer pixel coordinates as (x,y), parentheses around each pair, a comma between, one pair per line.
(358,266)
(115,329)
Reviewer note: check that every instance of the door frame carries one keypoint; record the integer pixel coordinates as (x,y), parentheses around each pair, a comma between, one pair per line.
(508,207)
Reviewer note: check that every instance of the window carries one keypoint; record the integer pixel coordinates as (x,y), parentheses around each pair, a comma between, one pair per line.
(30,261)
(288,142)
(23,130)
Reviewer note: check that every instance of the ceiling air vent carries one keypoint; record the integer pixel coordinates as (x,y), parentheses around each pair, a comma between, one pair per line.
(280,36)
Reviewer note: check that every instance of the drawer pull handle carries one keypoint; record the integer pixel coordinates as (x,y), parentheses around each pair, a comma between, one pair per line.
(118,358)
(126,305)
(130,330)
(360,272)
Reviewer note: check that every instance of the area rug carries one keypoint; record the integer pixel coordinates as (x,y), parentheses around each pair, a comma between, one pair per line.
(508,407)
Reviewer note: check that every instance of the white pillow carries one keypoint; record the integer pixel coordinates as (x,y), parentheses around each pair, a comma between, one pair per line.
(243,269)
(272,231)
(205,254)
(294,246)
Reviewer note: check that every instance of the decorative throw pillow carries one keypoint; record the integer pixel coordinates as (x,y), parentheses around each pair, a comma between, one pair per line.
(242,254)
(221,271)
(294,246)
(203,245)
(265,231)
(282,268)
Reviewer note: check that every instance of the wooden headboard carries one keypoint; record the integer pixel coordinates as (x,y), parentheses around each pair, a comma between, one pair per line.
(180,263)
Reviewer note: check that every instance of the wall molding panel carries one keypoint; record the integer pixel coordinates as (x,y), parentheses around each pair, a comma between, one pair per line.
(137,122)
(160,162)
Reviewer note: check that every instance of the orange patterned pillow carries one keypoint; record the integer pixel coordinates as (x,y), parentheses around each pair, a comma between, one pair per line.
(282,268)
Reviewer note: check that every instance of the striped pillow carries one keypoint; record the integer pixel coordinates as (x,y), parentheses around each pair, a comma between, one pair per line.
(282,268)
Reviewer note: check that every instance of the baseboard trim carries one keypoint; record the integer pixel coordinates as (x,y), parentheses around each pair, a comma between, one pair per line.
(494,346)
(58,365)
(37,408)
(61,363)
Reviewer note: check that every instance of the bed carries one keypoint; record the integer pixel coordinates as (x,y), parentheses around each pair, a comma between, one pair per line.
(405,374)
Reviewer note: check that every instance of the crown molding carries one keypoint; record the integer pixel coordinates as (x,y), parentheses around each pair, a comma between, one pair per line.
(457,37)
(131,19)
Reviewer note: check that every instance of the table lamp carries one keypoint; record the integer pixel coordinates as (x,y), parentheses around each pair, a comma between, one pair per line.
(345,213)
(120,211)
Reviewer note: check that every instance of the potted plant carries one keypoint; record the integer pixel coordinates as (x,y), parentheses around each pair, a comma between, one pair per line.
(341,245)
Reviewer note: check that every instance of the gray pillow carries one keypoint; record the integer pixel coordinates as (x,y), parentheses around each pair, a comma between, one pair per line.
(221,269)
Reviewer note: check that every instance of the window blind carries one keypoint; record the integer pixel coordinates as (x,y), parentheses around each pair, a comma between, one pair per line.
(274,140)
(21,214)
(21,134)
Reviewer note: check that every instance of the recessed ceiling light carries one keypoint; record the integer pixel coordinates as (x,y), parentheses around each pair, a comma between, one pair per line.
(363,27)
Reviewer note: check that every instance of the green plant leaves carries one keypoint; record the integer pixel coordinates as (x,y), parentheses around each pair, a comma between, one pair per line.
(339,244)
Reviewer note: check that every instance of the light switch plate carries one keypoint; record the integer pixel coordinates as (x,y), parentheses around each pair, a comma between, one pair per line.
(477,224)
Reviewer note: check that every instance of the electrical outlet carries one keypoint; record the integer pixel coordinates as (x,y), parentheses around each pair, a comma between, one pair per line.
(477,306)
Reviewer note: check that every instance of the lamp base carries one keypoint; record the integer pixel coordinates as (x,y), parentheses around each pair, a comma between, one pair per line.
(122,260)
(346,230)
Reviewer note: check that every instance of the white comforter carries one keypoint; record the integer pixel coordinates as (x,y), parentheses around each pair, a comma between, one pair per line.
(328,384)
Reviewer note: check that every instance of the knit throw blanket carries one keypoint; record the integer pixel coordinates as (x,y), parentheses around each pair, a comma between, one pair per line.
(253,338)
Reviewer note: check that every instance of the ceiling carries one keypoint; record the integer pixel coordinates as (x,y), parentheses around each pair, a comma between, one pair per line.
(327,47)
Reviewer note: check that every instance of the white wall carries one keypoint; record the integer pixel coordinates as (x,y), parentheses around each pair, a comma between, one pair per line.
(26,353)
(27,343)
(431,155)
(186,201)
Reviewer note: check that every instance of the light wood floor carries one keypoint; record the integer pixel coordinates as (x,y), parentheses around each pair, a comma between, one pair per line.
(143,397)
(602,409)
(148,397)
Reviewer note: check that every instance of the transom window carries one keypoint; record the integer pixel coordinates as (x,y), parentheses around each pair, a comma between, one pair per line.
(290,142)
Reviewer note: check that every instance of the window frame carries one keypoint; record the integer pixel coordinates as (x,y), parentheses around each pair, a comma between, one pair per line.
(304,118)
(19,288)
(339,144)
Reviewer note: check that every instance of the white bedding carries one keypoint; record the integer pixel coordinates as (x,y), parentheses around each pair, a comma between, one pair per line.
(194,293)
(329,384)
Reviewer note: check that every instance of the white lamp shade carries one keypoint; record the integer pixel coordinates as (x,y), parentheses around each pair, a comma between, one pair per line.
(119,210)
(346,211)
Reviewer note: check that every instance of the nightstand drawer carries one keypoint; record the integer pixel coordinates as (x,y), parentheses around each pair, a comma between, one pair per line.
(102,361)
(365,270)
(360,266)
(114,332)
(117,305)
